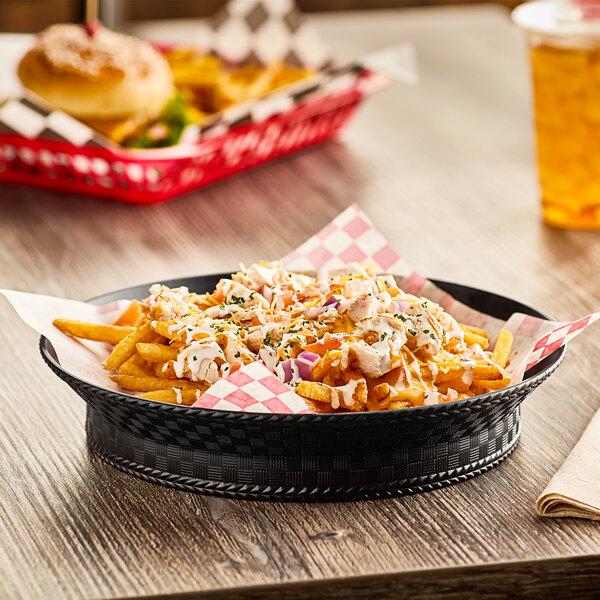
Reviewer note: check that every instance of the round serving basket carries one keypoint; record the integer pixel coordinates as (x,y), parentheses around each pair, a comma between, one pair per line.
(310,457)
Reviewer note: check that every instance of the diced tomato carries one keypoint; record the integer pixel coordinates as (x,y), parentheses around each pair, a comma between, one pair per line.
(218,296)
(130,315)
(288,297)
(323,346)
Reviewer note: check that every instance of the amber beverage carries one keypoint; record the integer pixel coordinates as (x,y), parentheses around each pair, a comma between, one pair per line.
(565,66)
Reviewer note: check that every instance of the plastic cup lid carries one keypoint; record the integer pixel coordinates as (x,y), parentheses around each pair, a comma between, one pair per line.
(549,17)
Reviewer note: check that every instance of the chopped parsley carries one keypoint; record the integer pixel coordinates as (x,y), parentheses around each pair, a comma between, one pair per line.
(237,299)
(425,330)
(237,354)
(424,304)
(412,332)
(383,335)
(401,317)
(267,340)
(432,336)
(223,305)
(194,357)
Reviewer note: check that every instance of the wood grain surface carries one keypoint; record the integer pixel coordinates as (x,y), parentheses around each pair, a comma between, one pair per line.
(445,170)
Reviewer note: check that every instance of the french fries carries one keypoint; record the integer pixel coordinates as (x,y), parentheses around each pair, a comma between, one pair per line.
(125,349)
(492,384)
(475,335)
(326,341)
(210,86)
(136,365)
(156,353)
(173,396)
(152,384)
(111,334)
(501,352)
(321,392)
(313,390)
(481,370)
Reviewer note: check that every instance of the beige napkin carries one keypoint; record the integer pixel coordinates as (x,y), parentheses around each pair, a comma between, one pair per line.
(575,489)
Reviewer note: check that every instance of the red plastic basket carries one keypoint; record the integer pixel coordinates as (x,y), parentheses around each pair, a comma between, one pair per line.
(151,176)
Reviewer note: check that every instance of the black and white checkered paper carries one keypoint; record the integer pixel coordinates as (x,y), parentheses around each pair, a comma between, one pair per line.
(265,31)
(28,116)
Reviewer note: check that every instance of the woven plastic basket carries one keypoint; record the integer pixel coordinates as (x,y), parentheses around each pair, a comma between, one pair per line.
(310,457)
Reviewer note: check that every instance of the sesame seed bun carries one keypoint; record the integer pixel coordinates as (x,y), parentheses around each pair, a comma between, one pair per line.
(105,76)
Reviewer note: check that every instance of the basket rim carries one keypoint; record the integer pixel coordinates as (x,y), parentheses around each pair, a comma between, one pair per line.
(553,361)
(183,150)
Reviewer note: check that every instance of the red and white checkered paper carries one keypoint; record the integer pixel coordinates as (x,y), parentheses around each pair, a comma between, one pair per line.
(350,237)
(252,389)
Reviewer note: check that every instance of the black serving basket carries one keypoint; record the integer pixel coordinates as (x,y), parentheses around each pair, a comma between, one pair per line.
(310,457)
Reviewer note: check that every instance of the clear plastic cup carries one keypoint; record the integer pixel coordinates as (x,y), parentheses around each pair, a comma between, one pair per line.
(564,50)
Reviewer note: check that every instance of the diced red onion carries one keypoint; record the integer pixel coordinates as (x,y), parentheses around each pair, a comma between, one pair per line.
(300,367)
(332,301)
(308,357)
(312,312)
(401,304)
(285,368)
(291,367)
(304,370)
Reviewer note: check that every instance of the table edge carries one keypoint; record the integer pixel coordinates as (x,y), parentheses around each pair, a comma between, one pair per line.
(579,576)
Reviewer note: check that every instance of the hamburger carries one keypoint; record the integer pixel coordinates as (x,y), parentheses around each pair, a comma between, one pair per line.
(116,84)
(130,92)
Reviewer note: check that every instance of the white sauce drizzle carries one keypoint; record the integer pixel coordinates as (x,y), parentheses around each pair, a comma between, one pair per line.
(178,397)
(452,394)
(347,393)
(467,376)
(434,370)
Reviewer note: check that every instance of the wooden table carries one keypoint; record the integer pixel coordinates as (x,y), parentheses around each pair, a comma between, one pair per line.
(446,171)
